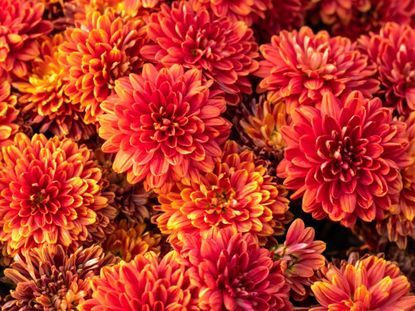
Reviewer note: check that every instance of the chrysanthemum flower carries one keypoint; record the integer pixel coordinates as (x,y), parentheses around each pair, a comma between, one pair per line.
(164,126)
(233,273)
(48,278)
(298,67)
(21,25)
(261,124)
(371,283)
(393,52)
(144,283)
(101,49)
(400,221)
(302,256)
(344,158)
(352,18)
(43,100)
(236,193)
(241,10)
(223,49)
(50,193)
(128,241)
(8,113)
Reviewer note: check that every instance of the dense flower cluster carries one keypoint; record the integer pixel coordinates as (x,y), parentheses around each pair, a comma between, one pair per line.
(207,155)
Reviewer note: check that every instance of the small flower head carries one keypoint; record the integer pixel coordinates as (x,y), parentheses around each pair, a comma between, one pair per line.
(371,283)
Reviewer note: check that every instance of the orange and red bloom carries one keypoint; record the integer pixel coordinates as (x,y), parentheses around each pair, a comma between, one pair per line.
(50,278)
(8,111)
(164,126)
(298,67)
(50,194)
(392,51)
(224,50)
(371,283)
(302,257)
(98,51)
(145,283)
(236,193)
(233,273)
(344,159)
(21,26)
(43,99)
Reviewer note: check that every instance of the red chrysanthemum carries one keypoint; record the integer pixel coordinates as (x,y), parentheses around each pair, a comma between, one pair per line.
(344,159)
(302,257)
(224,50)
(393,52)
(400,221)
(236,193)
(371,283)
(100,50)
(164,126)
(241,10)
(144,283)
(49,278)
(21,25)
(298,67)
(43,101)
(8,113)
(352,18)
(233,273)
(50,194)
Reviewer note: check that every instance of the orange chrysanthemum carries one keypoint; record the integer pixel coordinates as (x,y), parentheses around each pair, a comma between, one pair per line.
(164,126)
(352,18)
(345,158)
(8,113)
(393,52)
(302,256)
(50,193)
(233,273)
(21,25)
(143,284)
(222,49)
(48,278)
(298,67)
(261,124)
(128,241)
(371,283)
(241,10)
(236,193)
(43,100)
(100,50)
